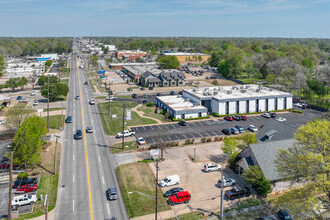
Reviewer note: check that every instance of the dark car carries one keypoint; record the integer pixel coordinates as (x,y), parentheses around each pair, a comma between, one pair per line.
(151,88)
(144,101)
(172,93)
(226,131)
(78,135)
(158,94)
(182,123)
(24,181)
(172,192)
(272,114)
(77,97)
(4,159)
(142,88)
(134,96)
(19,98)
(68,119)
(144,96)
(180,92)
(243,117)
(112,193)
(229,118)
(237,117)
(238,192)
(283,215)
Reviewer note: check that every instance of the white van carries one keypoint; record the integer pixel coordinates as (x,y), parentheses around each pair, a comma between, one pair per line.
(24,200)
(170,181)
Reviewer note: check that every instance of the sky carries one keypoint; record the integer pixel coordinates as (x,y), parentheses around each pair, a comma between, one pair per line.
(165,18)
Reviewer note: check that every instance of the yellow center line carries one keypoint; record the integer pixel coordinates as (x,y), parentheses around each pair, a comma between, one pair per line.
(86,155)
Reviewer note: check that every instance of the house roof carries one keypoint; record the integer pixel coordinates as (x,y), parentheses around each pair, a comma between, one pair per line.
(153,80)
(146,74)
(265,154)
(275,130)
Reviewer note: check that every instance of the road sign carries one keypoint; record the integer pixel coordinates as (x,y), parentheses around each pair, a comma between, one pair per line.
(114,116)
(40,110)
(128,114)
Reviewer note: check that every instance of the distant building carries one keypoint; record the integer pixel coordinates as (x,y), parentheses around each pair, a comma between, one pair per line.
(170,78)
(150,80)
(52,56)
(110,47)
(126,54)
(189,57)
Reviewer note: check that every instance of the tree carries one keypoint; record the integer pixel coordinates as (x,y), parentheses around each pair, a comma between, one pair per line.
(33,78)
(48,63)
(94,60)
(249,138)
(17,114)
(2,65)
(44,80)
(307,63)
(214,59)
(27,141)
(23,82)
(264,71)
(230,146)
(13,83)
(308,160)
(215,82)
(256,178)
(169,62)
(317,87)
(55,90)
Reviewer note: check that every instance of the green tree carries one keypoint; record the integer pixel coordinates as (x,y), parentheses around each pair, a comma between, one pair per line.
(13,83)
(214,59)
(23,82)
(224,67)
(264,71)
(249,138)
(17,114)
(307,63)
(94,60)
(230,146)
(55,90)
(309,160)
(60,48)
(27,141)
(215,82)
(169,62)
(256,178)
(2,65)
(317,87)
(48,63)
(44,80)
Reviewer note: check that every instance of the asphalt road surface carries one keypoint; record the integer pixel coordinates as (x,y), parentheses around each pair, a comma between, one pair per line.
(87,167)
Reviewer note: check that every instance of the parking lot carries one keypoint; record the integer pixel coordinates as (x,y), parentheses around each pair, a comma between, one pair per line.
(205,195)
(210,128)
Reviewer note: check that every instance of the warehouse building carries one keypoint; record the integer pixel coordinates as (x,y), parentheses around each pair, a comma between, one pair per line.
(189,57)
(180,108)
(239,99)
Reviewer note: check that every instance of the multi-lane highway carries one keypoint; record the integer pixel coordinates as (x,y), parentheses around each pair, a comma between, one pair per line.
(87,167)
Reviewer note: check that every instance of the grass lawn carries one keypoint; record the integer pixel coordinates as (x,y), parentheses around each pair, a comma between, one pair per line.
(133,87)
(124,97)
(116,148)
(138,190)
(253,214)
(189,216)
(65,81)
(55,109)
(100,97)
(65,72)
(55,121)
(150,112)
(114,126)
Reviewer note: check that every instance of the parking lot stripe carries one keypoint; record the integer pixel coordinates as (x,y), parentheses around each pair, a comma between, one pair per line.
(152,127)
(144,128)
(152,141)
(214,133)
(184,136)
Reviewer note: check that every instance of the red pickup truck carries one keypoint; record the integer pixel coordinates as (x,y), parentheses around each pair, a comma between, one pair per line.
(179,197)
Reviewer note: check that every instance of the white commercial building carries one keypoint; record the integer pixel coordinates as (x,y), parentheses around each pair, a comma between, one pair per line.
(239,99)
(180,108)
(52,56)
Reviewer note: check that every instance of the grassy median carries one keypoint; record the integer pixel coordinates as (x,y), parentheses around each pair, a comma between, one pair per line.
(138,190)
(129,145)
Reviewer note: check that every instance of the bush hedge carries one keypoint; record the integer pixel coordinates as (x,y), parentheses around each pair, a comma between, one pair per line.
(297,111)
(150,104)
(251,113)
(187,119)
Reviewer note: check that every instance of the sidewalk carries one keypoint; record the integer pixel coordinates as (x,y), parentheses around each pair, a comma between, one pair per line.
(51,216)
(141,114)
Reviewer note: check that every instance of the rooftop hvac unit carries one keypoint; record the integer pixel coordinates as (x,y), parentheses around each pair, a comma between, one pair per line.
(247,87)
(243,90)
(229,92)
(219,88)
(204,93)
(271,89)
(215,93)
(195,104)
(241,87)
(208,93)
(194,90)
(257,90)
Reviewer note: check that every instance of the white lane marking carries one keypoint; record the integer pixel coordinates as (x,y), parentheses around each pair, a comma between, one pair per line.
(73,205)
(99,159)
(103,180)
(108,208)
(72,177)
(66,140)
(73,157)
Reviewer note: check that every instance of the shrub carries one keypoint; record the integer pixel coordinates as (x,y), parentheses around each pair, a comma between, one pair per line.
(297,111)
(2,107)
(209,139)
(189,141)
(220,138)
(22,175)
(203,140)
(150,104)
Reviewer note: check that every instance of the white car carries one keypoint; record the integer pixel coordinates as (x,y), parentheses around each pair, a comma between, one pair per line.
(141,141)
(253,128)
(298,104)
(35,103)
(280,119)
(130,83)
(227,182)
(92,102)
(112,97)
(33,93)
(23,200)
(212,167)
(89,129)
(127,133)
(265,115)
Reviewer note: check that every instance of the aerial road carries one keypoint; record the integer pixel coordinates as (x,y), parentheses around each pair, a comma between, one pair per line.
(87,167)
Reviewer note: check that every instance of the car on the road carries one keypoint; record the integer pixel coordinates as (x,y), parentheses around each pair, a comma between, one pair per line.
(134,96)
(172,93)
(4,159)
(24,181)
(144,96)
(212,167)
(77,97)
(33,93)
(240,128)
(89,129)
(141,141)
(283,215)
(127,133)
(86,83)
(273,114)
(226,131)
(35,103)
(19,97)
(280,119)
(27,188)
(172,191)
(158,94)
(229,118)
(226,182)
(144,101)
(68,119)
(253,128)
(243,117)
(78,135)
(238,192)
(92,102)
(25,101)
(182,123)
(179,197)
(234,131)
(24,200)
(265,115)
(237,117)
(112,193)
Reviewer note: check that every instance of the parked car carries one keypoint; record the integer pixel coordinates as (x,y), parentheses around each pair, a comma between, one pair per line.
(86,83)
(127,133)
(229,118)
(243,117)
(19,98)
(24,200)
(212,167)
(172,93)
(112,97)
(25,101)
(112,193)
(172,191)
(27,188)
(144,101)
(89,129)
(226,182)
(33,93)
(234,131)
(78,135)
(237,117)
(180,93)
(134,96)
(35,103)
(4,165)
(92,102)
(170,181)
(273,114)
(151,88)
(158,94)
(24,181)
(182,123)
(141,141)
(238,192)
(280,119)
(142,88)
(240,128)
(68,119)
(226,131)
(253,128)
(265,115)
(77,97)
(130,83)
(179,197)
(283,215)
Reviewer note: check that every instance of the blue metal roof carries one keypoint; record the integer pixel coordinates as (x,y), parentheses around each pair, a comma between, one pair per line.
(43,59)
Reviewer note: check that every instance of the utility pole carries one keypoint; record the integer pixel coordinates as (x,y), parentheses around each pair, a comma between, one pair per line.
(46,210)
(10,185)
(55,153)
(194,154)
(48,105)
(123,140)
(109,101)
(156,185)
(221,198)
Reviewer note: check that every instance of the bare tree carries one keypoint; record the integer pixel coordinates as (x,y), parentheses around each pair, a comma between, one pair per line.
(33,78)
